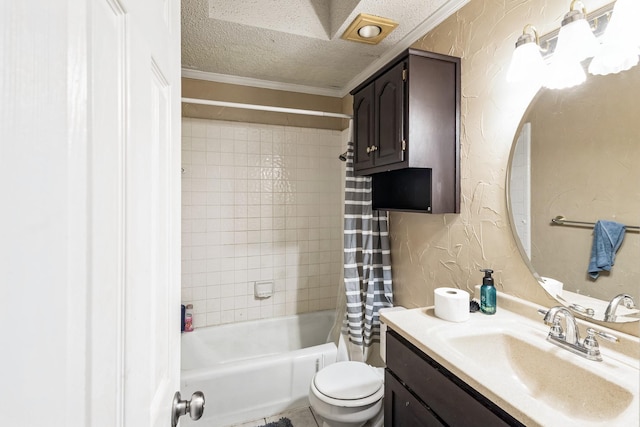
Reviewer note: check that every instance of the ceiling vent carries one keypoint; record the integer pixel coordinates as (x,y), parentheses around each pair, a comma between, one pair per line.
(369,29)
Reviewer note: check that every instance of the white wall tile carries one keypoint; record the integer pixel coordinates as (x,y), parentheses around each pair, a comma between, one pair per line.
(260,203)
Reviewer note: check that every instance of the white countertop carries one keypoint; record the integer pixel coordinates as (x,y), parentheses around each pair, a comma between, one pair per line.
(621,365)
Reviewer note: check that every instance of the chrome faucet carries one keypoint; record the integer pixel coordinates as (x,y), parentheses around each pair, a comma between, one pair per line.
(571,340)
(551,318)
(610,312)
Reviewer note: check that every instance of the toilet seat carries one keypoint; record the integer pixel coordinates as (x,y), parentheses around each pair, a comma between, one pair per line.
(348,384)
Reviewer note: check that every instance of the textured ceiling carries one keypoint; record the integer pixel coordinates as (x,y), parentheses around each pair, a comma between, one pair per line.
(297,42)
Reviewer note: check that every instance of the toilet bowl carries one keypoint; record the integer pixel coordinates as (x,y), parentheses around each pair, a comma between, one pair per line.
(349,393)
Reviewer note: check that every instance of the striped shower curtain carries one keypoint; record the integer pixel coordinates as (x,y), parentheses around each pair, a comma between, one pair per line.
(367,261)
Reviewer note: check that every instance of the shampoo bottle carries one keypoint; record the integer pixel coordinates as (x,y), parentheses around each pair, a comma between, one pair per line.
(487,293)
(188,319)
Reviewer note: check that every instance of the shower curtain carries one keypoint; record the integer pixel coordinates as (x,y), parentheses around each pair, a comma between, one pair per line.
(367,262)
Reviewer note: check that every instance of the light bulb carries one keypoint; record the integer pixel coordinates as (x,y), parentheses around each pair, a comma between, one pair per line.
(527,65)
(565,74)
(576,41)
(369,31)
(621,40)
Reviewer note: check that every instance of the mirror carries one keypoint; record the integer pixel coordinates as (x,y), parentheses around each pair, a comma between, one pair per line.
(577,154)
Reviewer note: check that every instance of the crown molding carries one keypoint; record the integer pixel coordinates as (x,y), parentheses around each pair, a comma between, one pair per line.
(448,9)
(265,84)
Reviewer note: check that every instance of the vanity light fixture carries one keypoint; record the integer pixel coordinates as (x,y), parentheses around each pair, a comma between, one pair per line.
(576,42)
(621,40)
(527,64)
(616,24)
(369,29)
(565,74)
(598,22)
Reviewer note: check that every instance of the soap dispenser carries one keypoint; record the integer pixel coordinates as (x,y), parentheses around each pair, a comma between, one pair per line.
(487,293)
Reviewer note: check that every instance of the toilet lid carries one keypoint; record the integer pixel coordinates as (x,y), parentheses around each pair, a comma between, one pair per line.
(348,380)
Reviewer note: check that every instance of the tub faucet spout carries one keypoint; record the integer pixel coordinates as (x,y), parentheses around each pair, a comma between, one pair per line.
(610,312)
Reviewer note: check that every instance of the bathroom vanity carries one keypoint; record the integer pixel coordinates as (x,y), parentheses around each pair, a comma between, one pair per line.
(501,370)
(421,392)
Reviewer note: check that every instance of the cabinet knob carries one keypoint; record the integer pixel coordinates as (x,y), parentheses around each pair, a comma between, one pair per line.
(369,150)
(374,148)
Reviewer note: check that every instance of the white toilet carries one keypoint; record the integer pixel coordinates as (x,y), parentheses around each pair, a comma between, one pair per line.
(348,394)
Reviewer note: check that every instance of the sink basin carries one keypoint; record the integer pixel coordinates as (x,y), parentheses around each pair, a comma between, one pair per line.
(543,373)
(507,358)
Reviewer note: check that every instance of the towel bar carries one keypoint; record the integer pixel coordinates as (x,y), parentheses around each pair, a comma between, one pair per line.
(560,220)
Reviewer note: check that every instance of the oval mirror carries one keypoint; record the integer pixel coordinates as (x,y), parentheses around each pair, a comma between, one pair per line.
(576,155)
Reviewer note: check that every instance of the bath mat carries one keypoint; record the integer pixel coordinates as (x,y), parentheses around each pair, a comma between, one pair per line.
(282,422)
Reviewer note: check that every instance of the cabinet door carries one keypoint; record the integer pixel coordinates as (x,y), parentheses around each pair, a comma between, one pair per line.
(390,111)
(455,402)
(363,118)
(403,409)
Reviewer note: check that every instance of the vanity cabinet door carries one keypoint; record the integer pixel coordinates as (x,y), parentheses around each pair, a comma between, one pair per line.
(452,400)
(403,409)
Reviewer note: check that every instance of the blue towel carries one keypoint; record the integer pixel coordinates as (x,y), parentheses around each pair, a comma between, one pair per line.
(607,238)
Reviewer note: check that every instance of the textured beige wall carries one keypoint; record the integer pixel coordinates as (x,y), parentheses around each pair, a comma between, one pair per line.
(192,88)
(430,251)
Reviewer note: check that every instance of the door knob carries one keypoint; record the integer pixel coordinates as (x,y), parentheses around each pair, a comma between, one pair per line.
(194,407)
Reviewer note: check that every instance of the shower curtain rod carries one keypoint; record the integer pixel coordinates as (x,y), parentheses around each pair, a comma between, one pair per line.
(264,108)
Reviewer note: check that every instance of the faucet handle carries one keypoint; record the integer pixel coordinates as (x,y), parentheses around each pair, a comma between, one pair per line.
(591,346)
(586,311)
(556,329)
(628,302)
(607,336)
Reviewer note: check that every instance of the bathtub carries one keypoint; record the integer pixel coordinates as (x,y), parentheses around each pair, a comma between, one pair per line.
(255,369)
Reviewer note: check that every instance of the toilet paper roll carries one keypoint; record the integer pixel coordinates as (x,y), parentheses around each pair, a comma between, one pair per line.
(452,304)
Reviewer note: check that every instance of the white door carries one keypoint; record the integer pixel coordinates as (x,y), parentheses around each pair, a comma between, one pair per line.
(90,180)
(144,38)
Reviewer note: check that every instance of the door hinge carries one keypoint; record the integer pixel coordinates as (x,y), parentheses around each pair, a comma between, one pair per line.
(404,75)
(404,145)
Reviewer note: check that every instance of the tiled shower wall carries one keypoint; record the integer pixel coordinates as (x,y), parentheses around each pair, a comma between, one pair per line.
(260,203)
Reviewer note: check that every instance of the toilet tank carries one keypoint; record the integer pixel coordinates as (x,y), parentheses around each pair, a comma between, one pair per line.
(383,331)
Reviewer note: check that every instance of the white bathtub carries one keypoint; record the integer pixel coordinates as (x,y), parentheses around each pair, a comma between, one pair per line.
(254,369)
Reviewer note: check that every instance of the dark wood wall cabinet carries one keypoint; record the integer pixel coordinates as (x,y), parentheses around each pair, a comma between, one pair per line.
(421,392)
(406,133)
